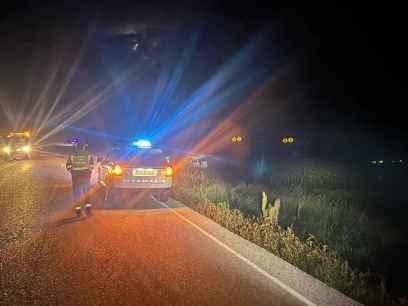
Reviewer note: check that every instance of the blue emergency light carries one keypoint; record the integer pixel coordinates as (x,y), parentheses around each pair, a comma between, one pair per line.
(142,143)
(75,140)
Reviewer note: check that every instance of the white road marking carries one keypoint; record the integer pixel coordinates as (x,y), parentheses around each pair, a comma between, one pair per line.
(285,287)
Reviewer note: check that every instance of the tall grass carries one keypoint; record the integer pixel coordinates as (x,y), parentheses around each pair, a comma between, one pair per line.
(342,228)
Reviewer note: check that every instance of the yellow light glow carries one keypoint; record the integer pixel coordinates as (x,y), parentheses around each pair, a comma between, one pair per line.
(6,149)
(27,134)
(239,138)
(117,170)
(26,149)
(234,139)
(169,171)
(285,140)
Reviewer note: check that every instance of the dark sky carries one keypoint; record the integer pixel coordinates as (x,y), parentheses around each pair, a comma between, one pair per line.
(347,78)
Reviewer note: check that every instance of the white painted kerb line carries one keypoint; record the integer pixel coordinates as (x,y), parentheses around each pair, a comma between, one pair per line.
(244,259)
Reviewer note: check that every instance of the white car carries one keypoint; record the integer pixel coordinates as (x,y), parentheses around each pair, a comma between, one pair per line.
(133,168)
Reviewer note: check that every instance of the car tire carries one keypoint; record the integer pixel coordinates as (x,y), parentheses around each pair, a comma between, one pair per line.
(164,196)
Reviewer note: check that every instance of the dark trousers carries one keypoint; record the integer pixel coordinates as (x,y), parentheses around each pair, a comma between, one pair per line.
(81,181)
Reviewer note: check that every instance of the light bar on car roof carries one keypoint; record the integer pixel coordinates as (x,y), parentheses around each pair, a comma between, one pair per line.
(142,143)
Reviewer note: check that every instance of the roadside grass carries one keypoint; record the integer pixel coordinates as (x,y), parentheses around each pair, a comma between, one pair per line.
(319,227)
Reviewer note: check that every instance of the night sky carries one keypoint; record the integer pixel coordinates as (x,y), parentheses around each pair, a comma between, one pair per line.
(343,87)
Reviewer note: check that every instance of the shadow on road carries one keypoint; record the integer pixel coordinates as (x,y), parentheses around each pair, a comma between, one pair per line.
(126,200)
(61,199)
(68,220)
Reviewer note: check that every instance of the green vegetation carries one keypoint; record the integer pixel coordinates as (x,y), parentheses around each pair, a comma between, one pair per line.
(325,221)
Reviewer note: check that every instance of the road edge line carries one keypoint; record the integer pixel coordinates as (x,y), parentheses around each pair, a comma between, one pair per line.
(272,278)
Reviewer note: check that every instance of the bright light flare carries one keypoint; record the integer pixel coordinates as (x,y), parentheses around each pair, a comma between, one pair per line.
(220,137)
(168,171)
(6,150)
(142,143)
(26,149)
(117,170)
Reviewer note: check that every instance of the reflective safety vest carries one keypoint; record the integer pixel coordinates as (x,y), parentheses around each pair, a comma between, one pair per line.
(80,161)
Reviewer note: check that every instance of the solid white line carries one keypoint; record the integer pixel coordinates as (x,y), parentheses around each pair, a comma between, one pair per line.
(294,293)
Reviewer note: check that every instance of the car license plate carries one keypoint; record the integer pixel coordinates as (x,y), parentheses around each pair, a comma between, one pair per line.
(144,172)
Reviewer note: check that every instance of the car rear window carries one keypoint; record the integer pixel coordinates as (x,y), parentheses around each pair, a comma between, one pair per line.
(142,157)
(148,160)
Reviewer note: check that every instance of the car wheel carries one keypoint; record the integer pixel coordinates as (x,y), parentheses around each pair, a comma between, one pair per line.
(164,196)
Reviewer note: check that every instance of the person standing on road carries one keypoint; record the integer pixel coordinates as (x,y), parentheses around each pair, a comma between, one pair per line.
(81,164)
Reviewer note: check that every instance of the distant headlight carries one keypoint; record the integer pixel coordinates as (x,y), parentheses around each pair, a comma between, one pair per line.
(6,149)
(26,149)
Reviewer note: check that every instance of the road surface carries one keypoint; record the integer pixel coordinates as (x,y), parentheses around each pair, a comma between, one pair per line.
(138,252)
(146,255)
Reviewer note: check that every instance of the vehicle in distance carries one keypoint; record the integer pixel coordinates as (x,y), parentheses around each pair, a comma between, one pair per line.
(16,146)
(138,167)
(3,150)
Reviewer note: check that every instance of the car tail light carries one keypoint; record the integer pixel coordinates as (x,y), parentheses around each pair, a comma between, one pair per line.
(117,170)
(168,171)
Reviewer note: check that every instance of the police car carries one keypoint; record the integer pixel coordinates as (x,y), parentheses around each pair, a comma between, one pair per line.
(135,168)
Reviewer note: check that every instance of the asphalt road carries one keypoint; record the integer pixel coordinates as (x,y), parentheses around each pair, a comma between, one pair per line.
(143,255)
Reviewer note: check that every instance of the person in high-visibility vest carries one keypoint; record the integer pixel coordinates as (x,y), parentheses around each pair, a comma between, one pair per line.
(81,164)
